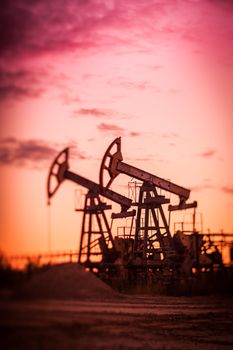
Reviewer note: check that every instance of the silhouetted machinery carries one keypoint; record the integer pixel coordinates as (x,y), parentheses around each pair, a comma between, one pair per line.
(154,247)
(150,250)
(96,244)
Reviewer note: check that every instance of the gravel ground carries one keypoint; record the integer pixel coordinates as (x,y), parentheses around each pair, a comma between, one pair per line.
(130,322)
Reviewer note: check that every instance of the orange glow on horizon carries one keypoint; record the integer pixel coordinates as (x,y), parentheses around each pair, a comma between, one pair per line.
(159,75)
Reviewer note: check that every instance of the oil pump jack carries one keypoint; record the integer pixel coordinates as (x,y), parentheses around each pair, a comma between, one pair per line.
(150,255)
(154,246)
(97,246)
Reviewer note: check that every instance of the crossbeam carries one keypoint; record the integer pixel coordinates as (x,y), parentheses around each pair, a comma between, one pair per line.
(107,193)
(112,165)
(143,175)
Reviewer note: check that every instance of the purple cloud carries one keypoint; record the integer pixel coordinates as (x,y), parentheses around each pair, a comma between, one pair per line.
(33,153)
(14,151)
(18,84)
(15,91)
(36,29)
(41,27)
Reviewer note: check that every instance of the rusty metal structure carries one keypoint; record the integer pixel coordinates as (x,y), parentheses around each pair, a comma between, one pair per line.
(149,252)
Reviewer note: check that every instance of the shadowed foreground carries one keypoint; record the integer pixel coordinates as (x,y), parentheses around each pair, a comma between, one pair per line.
(131,322)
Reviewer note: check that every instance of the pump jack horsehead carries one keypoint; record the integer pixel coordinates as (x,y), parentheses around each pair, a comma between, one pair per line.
(154,246)
(97,245)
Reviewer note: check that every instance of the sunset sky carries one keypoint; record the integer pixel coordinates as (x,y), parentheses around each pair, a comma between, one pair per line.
(81,73)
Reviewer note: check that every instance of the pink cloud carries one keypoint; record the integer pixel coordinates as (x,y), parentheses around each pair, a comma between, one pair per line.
(203,187)
(135,134)
(169,135)
(134,85)
(207,154)
(115,129)
(227,190)
(94,112)
(174,91)
(100,113)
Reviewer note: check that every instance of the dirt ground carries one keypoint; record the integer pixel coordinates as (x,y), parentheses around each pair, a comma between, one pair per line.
(130,322)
